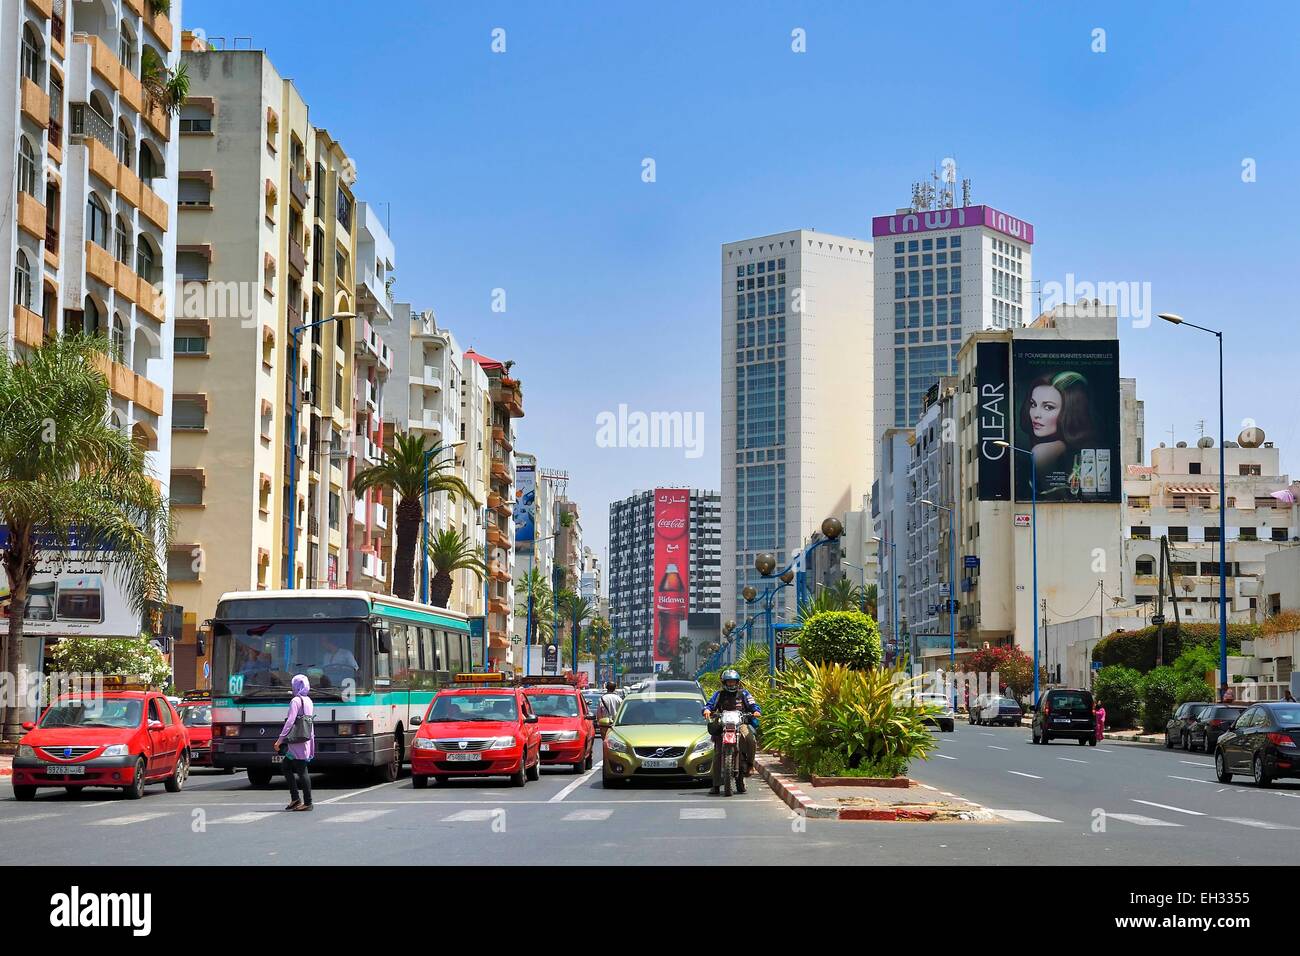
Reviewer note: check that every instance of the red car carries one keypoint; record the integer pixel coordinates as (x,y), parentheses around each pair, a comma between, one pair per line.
(196,716)
(479,728)
(124,738)
(567,726)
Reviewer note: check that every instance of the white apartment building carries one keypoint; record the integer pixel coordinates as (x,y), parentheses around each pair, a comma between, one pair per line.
(889,522)
(88,237)
(941,275)
(1177,496)
(369,538)
(796,400)
(590,582)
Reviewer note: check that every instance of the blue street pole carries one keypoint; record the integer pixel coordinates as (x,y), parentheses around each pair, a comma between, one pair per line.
(290,577)
(1033,521)
(1223,509)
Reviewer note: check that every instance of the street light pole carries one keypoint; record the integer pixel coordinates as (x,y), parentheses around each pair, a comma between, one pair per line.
(1176,319)
(1033,520)
(294,333)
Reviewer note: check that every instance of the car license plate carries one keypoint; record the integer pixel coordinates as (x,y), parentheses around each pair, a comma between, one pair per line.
(277,758)
(464,757)
(546,748)
(63,770)
(660,763)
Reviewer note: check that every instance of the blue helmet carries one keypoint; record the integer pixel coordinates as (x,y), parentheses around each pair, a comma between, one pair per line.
(731,679)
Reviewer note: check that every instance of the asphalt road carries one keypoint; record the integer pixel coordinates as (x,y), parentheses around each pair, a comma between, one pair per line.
(1160,806)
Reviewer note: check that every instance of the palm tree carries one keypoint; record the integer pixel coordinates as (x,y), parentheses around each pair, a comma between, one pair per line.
(402,469)
(543,620)
(451,551)
(163,88)
(577,609)
(869,599)
(598,635)
(71,485)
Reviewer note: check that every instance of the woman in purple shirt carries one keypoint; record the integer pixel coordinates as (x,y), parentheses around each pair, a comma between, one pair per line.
(299,755)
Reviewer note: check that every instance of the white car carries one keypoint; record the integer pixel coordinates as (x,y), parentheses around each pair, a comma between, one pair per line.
(946,719)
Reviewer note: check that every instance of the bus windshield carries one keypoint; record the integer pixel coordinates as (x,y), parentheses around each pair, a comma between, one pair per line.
(260,658)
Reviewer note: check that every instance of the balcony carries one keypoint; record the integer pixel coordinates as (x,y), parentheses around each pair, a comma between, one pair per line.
(148,298)
(103,163)
(127,282)
(430,379)
(86,123)
(499,435)
(31,215)
(121,380)
(148,395)
(495,537)
(129,186)
(135,6)
(131,91)
(381,517)
(54,138)
(99,264)
(494,501)
(507,393)
(500,470)
(161,27)
(46,7)
(51,245)
(297,189)
(297,257)
(152,207)
(36,103)
(159,120)
(29,328)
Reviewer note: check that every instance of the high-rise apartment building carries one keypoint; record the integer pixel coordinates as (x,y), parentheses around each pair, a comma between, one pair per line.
(796,396)
(89,162)
(264,417)
(941,275)
(663,544)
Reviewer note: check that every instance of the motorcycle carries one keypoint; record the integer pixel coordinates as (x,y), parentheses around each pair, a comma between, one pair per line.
(729,749)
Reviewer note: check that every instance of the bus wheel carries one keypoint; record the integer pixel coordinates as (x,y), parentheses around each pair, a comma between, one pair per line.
(393,768)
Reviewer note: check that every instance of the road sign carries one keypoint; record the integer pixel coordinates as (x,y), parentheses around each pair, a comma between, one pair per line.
(945,589)
(1022,521)
(1157,619)
(1096,665)
(517,639)
(971,561)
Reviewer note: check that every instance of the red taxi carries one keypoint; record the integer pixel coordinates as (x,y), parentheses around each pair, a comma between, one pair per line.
(480,727)
(122,738)
(196,716)
(567,726)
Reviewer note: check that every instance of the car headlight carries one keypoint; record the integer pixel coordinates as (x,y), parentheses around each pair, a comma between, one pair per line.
(425,743)
(702,747)
(502,743)
(616,744)
(115,750)
(566,735)
(26,751)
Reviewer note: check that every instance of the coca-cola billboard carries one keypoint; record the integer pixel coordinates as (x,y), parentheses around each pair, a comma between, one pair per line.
(672,570)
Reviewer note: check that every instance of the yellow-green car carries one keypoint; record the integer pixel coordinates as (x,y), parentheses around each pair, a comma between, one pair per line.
(657,737)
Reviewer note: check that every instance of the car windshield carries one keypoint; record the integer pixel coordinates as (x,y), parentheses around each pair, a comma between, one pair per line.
(1007,702)
(554,705)
(260,658)
(1285,716)
(451,708)
(197,715)
(663,710)
(1072,701)
(123,713)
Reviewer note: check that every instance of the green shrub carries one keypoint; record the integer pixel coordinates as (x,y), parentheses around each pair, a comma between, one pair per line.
(1194,663)
(831,718)
(840,637)
(1137,649)
(752,667)
(1194,690)
(1159,697)
(1120,691)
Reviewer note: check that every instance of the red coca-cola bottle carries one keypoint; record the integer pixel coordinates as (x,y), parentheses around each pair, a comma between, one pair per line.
(670,603)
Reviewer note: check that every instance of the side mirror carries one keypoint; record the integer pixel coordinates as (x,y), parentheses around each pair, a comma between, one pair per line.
(417,720)
(530,719)
(155,725)
(385,639)
(28,725)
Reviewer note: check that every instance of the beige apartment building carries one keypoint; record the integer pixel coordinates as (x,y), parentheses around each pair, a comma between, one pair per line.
(88,233)
(268,245)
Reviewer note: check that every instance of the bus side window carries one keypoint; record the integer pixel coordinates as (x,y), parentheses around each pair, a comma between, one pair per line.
(383,666)
(441,650)
(401,654)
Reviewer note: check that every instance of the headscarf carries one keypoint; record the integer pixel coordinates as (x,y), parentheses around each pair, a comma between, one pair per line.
(301,686)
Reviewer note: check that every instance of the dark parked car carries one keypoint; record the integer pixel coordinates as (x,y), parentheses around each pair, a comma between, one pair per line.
(995,709)
(1210,723)
(1264,742)
(1065,713)
(1180,724)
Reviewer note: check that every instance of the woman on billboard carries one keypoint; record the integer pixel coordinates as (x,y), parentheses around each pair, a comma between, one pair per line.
(1057,416)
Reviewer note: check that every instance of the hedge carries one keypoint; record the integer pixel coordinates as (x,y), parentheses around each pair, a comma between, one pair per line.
(840,637)
(1137,649)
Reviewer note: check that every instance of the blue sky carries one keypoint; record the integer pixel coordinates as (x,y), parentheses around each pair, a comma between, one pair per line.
(522,171)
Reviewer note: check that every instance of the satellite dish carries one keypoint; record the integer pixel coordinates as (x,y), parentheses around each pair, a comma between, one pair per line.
(1205,441)
(1251,437)
(1181,444)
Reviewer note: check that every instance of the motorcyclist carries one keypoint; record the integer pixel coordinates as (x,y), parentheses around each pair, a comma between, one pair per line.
(731,696)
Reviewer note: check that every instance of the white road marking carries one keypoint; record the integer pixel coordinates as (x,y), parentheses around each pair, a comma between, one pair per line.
(587,815)
(1029,775)
(354,793)
(1023,816)
(577,783)
(702,813)
(243,818)
(358,816)
(945,757)
(985,733)
(1165,806)
(991,747)
(469,816)
(1261,824)
(30,817)
(128,820)
(1189,779)
(1197,763)
(1071,760)
(1103,750)
(1139,820)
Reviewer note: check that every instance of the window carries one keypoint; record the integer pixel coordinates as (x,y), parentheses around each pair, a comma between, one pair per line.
(193,192)
(334,510)
(1145,566)
(122,241)
(96,221)
(150,165)
(192,266)
(1211,533)
(1194,468)
(182,566)
(23,280)
(33,63)
(188,415)
(1177,533)
(343,210)
(1248,470)
(186,490)
(27,167)
(144,261)
(1244,534)
(1279,534)
(117,338)
(1139,501)
(195,119)
(125,144)
(126,48)
(1141,532)
(191,345)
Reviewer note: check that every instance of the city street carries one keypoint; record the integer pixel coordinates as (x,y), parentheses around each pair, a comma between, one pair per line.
(1162,807)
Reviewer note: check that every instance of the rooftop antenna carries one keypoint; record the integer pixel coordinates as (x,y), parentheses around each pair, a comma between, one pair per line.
(1200,428)
(965,192)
